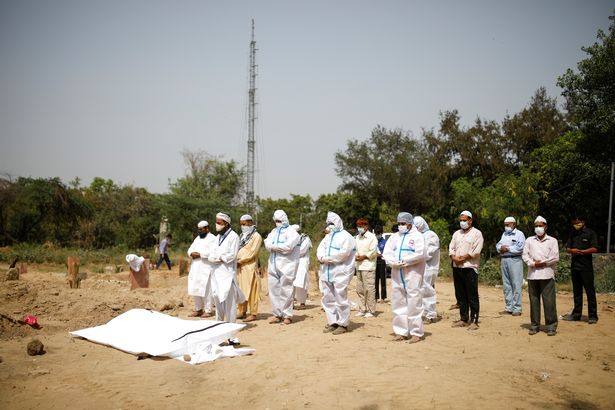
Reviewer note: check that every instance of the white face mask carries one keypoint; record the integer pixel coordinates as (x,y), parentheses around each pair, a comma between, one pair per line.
(464,225)
(219,227)
(361,230)
(539,230)
(246,229)
(402,228)
(508,228)
(278,224)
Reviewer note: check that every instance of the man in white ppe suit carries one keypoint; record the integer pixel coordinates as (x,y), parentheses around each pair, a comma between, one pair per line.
(404,253)
(223,257)
(199,284)
(432,267)
(282,244)
(302,279)
(336,253)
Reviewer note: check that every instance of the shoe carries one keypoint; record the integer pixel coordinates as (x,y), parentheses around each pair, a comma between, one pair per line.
(243,316)
(250,318)
(368,315)
(340,330)
(460,323)
(551,332)
(196,313)
(399,338)
(360,314)
(274,319)
(330,328)
(516,313)
(414,339)
(473,326)
(300,307)
(570,318)
(505,312)
(207,314)
(532,332)
(287,321)
(453,307)
(592,321)
(233,341)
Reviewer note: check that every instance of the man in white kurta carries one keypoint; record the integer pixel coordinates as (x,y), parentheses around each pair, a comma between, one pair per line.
(199,284)
(404,253)
(432,267)
(282,244)
(302,279)
(336,253)
(223,257)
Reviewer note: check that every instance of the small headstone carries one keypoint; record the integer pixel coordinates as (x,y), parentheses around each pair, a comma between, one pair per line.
(73,278)
(184,266)
(12,274)
(23,268)
(35,348)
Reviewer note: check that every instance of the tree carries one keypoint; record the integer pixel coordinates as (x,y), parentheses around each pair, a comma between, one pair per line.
(590,96)
(540,123)
(38,210)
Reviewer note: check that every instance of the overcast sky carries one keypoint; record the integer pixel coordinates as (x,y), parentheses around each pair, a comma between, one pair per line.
(118,88)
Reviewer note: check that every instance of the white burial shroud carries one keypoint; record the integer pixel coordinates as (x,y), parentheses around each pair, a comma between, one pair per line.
(154,333)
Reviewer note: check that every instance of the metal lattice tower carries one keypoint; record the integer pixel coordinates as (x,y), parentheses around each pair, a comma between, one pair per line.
(251,120)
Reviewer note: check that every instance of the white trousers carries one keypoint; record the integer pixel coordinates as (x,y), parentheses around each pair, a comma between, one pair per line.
(227,310)
(406,302)
(204,302)
(281,294)
(335,299)
(301,294)
(428,293)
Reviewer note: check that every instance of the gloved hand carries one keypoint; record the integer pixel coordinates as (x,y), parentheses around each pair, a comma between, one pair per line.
(274,248)
(327,260)
(395,265)
(404,264)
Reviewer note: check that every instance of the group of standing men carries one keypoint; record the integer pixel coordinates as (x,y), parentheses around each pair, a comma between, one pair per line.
(226,272)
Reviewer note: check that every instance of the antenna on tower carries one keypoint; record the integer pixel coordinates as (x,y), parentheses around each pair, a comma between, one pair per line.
(251,119)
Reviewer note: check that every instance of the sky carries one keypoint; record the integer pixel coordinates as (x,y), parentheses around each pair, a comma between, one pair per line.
(119,88)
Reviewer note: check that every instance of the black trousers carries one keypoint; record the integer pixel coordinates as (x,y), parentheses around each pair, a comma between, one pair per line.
(381,279)
(584,280)
(544,288)
(164,257)
(466,293)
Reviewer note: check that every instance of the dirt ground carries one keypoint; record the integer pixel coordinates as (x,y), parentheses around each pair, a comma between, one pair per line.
(297,366)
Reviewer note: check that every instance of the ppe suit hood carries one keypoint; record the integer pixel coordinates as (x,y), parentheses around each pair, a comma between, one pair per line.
(335,219)
(420,224)
(280,215)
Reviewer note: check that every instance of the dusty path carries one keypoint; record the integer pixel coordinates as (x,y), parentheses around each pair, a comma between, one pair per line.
(297,366)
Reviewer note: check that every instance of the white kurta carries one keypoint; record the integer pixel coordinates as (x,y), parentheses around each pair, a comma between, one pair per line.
(302,278)
(282,267)
(200,268)
(223,257)
(405,254)
(336,275)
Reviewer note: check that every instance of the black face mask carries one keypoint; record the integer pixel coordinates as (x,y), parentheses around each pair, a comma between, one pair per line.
(202,235)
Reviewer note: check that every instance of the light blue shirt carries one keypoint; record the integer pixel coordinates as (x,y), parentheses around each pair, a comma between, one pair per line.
(515,240)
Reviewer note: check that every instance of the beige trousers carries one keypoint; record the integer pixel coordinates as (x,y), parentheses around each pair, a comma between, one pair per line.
(251,304)
(366,289)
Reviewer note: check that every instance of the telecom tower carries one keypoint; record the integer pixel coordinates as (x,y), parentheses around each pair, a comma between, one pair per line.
(251,118)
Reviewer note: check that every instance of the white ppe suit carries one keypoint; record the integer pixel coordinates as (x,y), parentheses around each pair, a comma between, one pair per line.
(283,261)
(302,279)
(432,267)
(336,253)
(404,253)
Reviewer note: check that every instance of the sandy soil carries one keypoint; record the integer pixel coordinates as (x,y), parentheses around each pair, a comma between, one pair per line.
(297,366)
